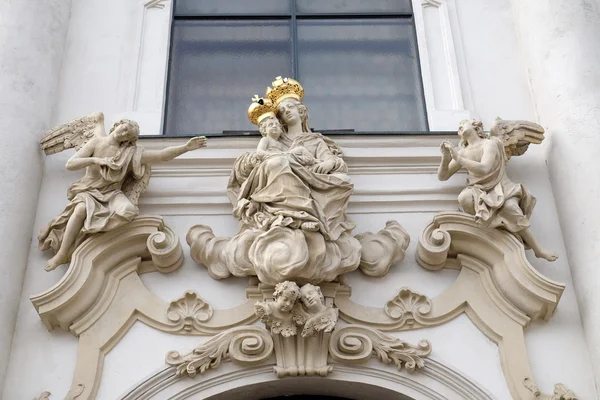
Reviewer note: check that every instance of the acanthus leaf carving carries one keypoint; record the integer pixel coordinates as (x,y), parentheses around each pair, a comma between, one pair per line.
(189,312)
(43,396)
(408,307)
(357,344)
(246,345)
(561,392)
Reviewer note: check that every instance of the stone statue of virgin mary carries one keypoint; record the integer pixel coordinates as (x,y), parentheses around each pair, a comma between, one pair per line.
(290,196)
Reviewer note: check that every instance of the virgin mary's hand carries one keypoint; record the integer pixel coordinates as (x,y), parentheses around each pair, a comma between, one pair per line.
(324,167)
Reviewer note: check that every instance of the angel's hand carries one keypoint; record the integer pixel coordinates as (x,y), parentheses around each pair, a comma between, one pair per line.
(107,162)
(195,143)
(454,153)
(446,146)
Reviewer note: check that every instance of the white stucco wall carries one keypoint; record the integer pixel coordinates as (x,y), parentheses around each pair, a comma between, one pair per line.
(96,75)
(28,84)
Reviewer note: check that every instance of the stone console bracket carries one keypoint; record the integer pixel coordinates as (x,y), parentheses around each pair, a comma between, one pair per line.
(497,289)
(101,296)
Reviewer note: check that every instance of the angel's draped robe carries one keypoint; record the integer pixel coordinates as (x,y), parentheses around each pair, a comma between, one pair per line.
(282,191)
(100,190)
(491,192)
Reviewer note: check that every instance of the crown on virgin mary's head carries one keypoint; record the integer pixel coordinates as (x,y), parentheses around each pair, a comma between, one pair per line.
(260,109)
(284,88)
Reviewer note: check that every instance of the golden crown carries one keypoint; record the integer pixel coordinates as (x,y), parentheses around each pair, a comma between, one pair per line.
(260,109)
(284,88)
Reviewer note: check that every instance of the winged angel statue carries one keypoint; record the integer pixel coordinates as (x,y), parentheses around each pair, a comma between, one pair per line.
(490,195)
(117,171)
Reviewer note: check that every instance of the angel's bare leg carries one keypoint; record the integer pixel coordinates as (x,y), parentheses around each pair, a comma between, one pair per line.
(72,229)
(467,201)
(527,235)
(539,251)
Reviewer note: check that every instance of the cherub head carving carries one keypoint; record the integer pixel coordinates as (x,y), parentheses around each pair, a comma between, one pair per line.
(285,295)
(312,298)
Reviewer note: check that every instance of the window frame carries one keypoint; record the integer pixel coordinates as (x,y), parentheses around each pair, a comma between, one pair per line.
(293,16)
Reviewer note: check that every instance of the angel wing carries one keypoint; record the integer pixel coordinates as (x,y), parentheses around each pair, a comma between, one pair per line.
(73,134)
(516,135)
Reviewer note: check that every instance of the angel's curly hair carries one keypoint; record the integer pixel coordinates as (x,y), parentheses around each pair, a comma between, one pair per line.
(287,285)
(477,125)
(132,134)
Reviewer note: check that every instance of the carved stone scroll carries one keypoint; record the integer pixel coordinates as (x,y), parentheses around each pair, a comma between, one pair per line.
(246,345)
(497,288)
(101,296)
(357,344)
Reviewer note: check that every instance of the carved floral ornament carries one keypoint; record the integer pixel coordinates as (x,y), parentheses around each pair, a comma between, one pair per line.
(295,241)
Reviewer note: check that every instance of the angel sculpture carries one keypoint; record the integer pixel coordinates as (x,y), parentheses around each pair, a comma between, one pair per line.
(317,315)
(490,195)
(117,171)
(281,314)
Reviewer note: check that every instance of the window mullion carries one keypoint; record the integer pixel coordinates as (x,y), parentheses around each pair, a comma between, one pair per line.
(294,41)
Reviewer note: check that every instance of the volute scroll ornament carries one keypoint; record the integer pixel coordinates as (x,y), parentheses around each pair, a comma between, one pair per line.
(357,344)
(246,345)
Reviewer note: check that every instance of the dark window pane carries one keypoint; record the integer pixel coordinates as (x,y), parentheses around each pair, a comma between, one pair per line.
(220,7)
(216,67)
(361,74)
(353,6)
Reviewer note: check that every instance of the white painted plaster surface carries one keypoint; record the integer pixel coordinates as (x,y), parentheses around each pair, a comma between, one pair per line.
(95,77)
(32,35)
(560,43)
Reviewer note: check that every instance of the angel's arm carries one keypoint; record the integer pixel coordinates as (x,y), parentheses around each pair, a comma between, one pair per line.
(484,166)
(262,147)
(448,166)
(169,153)
(83,158)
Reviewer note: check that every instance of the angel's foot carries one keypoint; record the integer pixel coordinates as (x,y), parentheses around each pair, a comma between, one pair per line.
(55,261)
(547,255)
(310,226)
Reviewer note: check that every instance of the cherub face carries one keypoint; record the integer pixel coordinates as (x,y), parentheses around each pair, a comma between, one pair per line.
(285,301)
(273,128)
(311,297)
(289,112)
